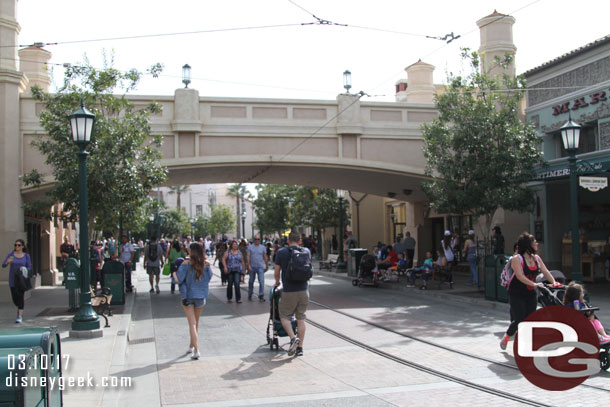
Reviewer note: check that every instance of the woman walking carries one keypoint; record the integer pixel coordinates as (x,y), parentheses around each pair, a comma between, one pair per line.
(470,252)
(194,278)
(234,266)
(522,288)
(174,252)
(16,259)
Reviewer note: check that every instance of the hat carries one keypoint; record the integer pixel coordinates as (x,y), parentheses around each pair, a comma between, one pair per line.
(471,232)
(447,233)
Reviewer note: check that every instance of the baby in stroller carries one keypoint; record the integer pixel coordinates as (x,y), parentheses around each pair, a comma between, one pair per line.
(575,296)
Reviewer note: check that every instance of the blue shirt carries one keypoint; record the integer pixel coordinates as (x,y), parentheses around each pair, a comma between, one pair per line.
(190,287)
(282,258)
(16,265)
(257,255)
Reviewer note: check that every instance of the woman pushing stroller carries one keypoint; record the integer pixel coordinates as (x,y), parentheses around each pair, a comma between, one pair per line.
(526,265)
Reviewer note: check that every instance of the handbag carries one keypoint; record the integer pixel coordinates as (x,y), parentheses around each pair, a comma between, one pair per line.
(166,269)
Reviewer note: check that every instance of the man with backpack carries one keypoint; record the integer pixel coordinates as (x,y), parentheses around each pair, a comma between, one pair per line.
(293,265)
(153,260)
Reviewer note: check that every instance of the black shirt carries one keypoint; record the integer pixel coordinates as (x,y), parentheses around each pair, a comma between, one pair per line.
(282,258)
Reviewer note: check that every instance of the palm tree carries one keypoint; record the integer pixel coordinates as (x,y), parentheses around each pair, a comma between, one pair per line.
(178,190)
(237,190)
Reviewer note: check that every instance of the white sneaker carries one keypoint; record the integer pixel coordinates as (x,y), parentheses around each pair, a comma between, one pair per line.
(195,355)
(157,289)
(294,342)
(191,350)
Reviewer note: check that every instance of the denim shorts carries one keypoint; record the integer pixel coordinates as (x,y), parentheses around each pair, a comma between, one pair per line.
(196,302)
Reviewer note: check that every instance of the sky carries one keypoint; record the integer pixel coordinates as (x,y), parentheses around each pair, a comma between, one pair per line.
(297,61)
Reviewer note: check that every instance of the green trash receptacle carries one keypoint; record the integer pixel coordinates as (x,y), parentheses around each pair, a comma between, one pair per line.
(136,257)
(353,264)
(501,261)
(113,274)
(72,279)
(20,377)
(51,362)
(490,278)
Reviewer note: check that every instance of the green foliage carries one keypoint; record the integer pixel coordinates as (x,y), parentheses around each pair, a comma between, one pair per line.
(175,223)
(123,164)
(221,220)
(282,207)
(478,150)
(179,190)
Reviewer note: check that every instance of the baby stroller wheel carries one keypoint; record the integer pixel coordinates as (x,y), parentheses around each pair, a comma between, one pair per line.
(604,360)
(276,342)
(355,282)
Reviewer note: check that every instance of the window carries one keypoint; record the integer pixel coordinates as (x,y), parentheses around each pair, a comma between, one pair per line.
(198,210)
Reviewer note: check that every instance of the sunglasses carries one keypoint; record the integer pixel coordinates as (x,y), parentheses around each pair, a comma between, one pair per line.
(256,239)
(18,245)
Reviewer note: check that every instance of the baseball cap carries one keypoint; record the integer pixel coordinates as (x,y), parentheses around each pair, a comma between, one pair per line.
(471,232)
(447,233)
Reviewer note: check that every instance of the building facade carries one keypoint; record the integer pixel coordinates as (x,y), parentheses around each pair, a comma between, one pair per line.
(575,85)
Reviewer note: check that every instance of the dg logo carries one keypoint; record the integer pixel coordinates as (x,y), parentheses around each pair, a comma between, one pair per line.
(556,348)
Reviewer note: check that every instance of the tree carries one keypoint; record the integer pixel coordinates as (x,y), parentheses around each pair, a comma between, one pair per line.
(124,162)
(238,191)
(479,153)
(221,220)
(179,190)
(280,207)
(271,207)
(175,223)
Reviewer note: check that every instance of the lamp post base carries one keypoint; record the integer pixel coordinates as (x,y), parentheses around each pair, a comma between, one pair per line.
(341,265)
(85,319)
(87,334)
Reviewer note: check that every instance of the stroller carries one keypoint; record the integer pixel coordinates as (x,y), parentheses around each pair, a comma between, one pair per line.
(368,273)
(274,326)
(549,295)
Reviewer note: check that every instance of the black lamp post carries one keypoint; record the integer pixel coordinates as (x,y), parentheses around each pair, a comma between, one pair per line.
(341,261)
(570,134)
(151,218)
(347,80)
(186,75)
(81,123)
(393,217)
(193,221)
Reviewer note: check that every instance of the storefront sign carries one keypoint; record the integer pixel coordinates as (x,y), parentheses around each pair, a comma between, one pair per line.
(582,167)
(561,172)
(579,102)
(593,184)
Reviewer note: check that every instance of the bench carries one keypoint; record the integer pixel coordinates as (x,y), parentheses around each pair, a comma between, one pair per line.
(100,301)
(331,260)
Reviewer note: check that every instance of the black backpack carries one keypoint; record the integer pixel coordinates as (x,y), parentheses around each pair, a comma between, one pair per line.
(299,267)
(151,256)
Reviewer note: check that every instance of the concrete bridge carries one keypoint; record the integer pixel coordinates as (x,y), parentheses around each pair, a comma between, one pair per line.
(370,147)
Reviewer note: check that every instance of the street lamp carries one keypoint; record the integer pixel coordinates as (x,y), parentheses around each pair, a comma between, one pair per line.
(186,75)
(81,124)
(193,221)
(151,218)
(347,80)
(341,261)
(243,223)
(570,134)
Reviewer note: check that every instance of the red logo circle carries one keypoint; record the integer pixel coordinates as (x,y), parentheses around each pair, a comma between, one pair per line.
(543,354)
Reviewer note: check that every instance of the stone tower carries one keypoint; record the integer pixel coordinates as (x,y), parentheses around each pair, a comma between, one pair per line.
(496,40)
(12,82)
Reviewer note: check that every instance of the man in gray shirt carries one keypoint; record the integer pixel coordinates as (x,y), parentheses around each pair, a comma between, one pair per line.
(409,244)
(258,262)
(153,260)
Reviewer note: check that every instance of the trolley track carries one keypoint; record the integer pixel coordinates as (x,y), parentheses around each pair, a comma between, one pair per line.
(430,343)
(422,368)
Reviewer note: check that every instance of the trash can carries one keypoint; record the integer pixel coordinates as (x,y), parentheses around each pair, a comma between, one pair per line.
(18,365)
(353,262)
(502,292)
(72,279)
(136,257)
(490,278)
(113,274)
(51,360)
